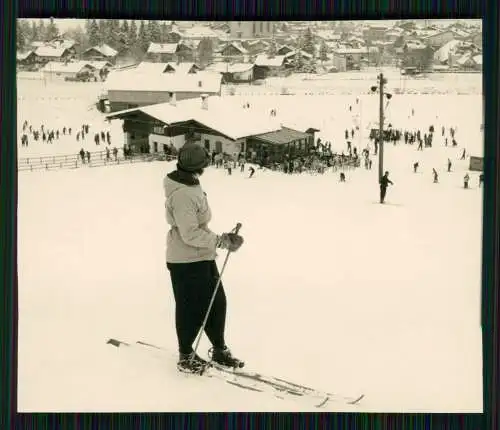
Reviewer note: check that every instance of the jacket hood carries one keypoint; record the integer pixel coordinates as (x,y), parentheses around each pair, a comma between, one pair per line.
(178,179)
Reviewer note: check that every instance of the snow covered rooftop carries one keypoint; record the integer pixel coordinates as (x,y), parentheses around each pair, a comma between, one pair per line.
(351,51)
(158,68)
(104,49)
(236,45)
(48,51)
(442,53)
(23,55)
(134,80)
(264,60)
(162,48)
(478,59)
(71,67)
(230,68)
(199,32)
(242,123)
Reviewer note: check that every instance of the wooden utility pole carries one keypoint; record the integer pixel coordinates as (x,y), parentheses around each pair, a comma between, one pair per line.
(381,127)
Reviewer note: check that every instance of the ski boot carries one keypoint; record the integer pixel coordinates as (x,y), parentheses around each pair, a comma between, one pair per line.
(223,357)
(195,365)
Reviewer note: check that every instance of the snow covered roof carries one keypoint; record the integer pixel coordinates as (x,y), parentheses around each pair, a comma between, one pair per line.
(465,59)
(328,35)
(478,59)
(199,32)
(37,44)
(23,55)
(243,123)
(49,51)
(293,53)
(351,51)
(237,46)
(162,48)
(264,60)
(442,53)
(135,80)
(62,43)
(104,49)
(71,67)
(158,68)
(230,68)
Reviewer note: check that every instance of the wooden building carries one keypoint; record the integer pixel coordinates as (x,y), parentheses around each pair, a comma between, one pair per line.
(155,128)
(131,89)
(100,53)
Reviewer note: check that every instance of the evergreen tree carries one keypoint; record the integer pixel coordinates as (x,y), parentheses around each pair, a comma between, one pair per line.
(125,31)
(132,35)
(273,48)
(114,34)
(52,31)
(21,37)
(323,52)
(41,31)
(308,42)
(94,34)
(205,51)
(142,39)
(103,31)
(80,37)
(34,32)
(154,31)
(164,32)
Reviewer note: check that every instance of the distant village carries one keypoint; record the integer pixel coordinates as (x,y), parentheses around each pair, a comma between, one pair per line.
(165,83)
(252,50)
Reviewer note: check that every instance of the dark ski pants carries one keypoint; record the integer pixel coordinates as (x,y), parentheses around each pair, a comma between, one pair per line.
(383,191)
(193,285)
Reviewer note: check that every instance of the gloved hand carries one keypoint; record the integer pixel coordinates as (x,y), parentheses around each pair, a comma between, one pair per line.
(230,241)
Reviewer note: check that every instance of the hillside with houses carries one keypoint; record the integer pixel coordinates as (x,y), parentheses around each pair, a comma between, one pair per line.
(248,51)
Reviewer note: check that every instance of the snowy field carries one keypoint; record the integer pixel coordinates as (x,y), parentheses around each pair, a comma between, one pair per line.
(330,289)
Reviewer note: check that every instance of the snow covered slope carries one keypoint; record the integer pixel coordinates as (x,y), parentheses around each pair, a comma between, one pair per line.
(330,288)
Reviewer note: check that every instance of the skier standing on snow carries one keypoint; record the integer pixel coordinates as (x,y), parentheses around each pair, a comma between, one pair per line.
(466,180)
(384,183)
(435,174)
(481,179)
(252,171)
(191,253)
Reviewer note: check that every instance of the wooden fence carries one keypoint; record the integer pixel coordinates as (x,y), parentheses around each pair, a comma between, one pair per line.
(97,159)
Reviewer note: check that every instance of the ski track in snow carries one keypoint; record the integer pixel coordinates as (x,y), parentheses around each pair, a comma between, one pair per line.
(329,290)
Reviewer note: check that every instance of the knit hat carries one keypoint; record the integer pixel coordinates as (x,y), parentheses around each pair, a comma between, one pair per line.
(192,157)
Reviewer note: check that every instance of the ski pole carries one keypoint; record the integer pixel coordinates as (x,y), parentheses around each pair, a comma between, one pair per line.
(202,329)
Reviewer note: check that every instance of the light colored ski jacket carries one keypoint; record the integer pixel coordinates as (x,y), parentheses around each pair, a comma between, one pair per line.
(188,214)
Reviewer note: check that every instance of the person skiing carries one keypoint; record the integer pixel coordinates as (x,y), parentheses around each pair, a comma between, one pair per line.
(449,165)
(190,258)
(435,175)
(384,183)
(415,167)
(252,171)
(466,181)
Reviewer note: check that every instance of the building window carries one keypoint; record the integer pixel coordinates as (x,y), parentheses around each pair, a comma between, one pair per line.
(159,130)
(207,144)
